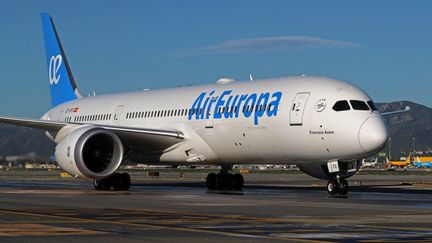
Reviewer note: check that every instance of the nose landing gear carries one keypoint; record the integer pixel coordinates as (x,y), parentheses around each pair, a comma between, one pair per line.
(224,180)
(337,186)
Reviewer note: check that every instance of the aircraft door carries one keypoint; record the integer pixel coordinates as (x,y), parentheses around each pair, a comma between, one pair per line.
(208,115)
(297,108)
(118,114)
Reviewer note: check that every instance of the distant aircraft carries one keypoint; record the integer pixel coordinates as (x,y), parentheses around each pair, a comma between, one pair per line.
(400,164)
(369,163)
(323,125)
(422,162)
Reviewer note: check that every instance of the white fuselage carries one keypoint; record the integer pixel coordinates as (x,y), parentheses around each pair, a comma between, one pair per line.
(300,126)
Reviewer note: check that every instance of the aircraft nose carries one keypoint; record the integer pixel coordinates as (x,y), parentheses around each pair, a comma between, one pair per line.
(373,135)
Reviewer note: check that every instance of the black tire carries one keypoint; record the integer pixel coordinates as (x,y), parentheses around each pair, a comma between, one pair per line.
(238,182)
(104,184)
(220,181)
(97,185)
(332,187)
(121,182)
(116,182)
(211,181)
(229,181)
(343,187)
(126,181)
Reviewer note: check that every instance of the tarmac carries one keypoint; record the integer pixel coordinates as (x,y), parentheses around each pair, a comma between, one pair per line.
(40,206)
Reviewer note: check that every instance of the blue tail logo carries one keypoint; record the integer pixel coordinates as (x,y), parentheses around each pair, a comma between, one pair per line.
(62,83)
(53,70)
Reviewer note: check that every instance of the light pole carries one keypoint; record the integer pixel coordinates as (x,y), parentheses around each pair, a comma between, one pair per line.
(413,144)
(389,149)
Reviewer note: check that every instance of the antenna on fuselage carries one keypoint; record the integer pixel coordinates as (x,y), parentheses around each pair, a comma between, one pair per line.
(250,77)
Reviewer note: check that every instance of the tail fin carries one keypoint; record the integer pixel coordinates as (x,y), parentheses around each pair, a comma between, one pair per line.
(62,83)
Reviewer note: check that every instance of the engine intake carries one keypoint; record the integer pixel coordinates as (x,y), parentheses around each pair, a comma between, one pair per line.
(90,152)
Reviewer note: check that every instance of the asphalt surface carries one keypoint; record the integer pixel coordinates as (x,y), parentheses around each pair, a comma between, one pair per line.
(41,207)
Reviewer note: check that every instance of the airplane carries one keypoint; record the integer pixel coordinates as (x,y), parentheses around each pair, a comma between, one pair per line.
(323,125)
(422,162)
(401,164)
(370,162)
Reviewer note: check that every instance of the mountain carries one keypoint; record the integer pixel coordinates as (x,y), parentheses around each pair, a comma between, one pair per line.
(25,143)
(33,144)
(408,128)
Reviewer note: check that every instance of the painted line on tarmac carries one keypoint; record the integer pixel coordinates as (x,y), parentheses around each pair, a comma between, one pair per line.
(146,225)
(30,229)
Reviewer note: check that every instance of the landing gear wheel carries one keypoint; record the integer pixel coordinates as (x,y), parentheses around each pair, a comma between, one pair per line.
(121,182)
(126,181)
(343,187)
(229,181)
(224,181)
(220,181)
(103,185)
(211,181)
(238,182)
(116,181)
(340,187)
(332,187)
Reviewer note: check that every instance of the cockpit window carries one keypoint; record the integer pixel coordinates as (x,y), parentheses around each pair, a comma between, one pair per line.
(372,105)
(341,105)
(359,105)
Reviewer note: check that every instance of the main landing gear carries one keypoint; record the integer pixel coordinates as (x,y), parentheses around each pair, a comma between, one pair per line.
(118,182)
(224,180)
(337,186)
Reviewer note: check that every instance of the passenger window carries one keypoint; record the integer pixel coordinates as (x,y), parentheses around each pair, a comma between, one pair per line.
(359,105)
(341,105)
(372,105)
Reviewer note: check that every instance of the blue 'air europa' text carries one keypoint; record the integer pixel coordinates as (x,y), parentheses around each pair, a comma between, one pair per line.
(228,106)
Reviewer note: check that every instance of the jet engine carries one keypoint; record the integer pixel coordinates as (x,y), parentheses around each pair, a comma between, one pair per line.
(346,169)
(90,152)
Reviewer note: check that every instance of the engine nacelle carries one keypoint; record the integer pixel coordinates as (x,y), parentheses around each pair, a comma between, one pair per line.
(346,169)
(90,152)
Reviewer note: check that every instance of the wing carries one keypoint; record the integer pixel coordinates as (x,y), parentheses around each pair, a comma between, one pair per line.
(150,139)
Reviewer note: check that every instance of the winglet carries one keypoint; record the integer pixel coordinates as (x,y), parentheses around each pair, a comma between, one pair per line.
(62,84)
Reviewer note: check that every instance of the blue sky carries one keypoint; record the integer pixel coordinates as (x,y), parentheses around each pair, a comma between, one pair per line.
(382,46)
